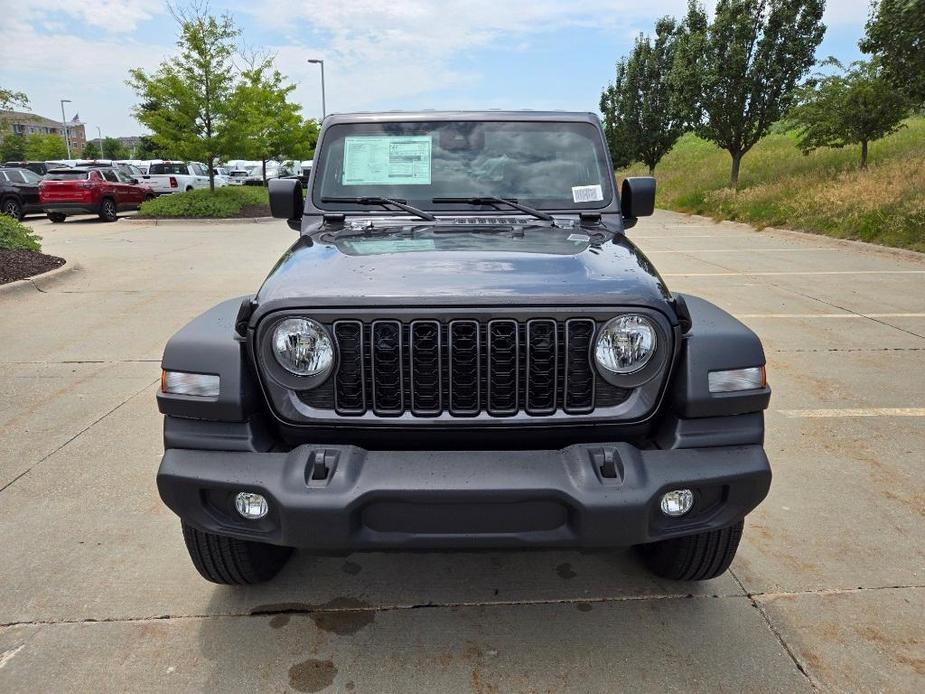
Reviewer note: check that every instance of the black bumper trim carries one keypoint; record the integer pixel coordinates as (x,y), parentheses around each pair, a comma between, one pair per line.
(463,499)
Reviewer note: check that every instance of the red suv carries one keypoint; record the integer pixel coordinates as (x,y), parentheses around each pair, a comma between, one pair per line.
(94,190)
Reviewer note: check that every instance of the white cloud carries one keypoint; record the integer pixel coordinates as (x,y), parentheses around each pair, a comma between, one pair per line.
(116,16)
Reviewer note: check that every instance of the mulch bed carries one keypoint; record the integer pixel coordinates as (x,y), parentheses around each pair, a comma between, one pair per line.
(249,211)
(17,265)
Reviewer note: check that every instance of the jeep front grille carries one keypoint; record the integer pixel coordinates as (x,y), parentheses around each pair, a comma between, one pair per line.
(464,368)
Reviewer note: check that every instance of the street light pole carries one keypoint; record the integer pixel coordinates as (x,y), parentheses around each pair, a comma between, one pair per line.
(321,63)
(67,140)
(100,133)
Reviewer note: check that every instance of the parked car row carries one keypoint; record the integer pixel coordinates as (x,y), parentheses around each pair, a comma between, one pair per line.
(67,190)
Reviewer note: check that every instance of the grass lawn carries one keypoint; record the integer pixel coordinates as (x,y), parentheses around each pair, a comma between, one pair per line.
(824,192)
(230,201)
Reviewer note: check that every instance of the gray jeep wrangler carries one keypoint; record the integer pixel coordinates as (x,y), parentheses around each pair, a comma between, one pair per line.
(462,350)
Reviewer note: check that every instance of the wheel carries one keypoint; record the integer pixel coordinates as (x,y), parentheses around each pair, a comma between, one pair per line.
(233,562)
(56,217)
(189,188)
(108,210)
(694,557)
(149,197)
(12,208)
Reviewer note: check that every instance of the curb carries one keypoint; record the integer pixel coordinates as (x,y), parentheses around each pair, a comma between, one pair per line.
(40,283)
(156,221)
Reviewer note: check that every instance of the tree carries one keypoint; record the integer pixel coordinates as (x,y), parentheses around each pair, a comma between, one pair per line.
(148,149)
(896,35)
(753,55)
(91,150)
(10,99)
(41,147)
(644,112)
(185,102)
(856,106)
(13,147)
(113,149)
(266,125)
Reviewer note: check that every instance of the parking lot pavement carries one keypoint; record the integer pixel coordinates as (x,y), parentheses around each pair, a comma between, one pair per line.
(826,592)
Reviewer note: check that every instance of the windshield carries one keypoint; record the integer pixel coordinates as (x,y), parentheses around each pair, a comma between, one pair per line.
(546,165)
(175,169)
(67,175)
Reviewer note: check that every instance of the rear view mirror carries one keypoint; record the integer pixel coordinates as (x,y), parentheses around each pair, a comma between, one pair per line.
(286,199)
(637,198)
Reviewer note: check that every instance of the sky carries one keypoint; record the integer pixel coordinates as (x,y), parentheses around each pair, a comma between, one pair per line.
(379,54)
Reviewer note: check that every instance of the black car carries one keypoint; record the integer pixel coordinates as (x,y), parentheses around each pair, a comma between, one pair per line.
(463,349)
(39,167)
(19,192)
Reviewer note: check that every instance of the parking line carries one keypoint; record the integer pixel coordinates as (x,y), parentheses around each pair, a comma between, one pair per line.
(830,315)
(745,250)
(857,412)
(793,272)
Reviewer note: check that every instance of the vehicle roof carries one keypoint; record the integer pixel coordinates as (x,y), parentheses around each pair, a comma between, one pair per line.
(405,116)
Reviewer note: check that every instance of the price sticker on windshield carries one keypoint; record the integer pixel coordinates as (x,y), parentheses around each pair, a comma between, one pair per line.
(587,193)
(387,160)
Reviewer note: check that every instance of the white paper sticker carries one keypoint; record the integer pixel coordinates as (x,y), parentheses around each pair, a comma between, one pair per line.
(387,160)
(587,193)
(578,237)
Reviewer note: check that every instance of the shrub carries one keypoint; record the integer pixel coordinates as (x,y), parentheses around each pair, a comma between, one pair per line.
(230,201)
(16,236)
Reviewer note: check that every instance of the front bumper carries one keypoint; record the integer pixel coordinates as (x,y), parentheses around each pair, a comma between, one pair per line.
(594,495)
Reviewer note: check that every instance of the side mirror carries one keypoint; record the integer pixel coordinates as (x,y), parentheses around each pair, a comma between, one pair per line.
(637,198)
(286,200)
(134,181)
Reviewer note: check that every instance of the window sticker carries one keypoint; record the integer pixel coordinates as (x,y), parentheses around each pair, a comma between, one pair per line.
(587,193)
(578,237)
(387,160)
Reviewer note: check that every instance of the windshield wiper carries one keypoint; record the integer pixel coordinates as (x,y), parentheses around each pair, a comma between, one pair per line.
(494,201)
(400,204)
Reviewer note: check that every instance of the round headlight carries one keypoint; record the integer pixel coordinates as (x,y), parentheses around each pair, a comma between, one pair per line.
(303,347)
(625,344)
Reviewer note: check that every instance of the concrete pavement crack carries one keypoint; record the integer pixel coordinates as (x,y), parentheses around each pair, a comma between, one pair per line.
(777,635)
(75,436)
(323,609)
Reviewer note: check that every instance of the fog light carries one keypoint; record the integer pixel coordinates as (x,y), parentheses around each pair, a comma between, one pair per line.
(183,383)
(677,502)
(251,506)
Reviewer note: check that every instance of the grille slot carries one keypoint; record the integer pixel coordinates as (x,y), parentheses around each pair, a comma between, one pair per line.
(503,367)
(464,368)
(579,378)
(350,381)
(385,366)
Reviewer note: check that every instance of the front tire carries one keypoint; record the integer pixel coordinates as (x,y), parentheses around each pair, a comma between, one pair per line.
(56,217)
(108,211)
(12,208)
(694,557)
(233,562)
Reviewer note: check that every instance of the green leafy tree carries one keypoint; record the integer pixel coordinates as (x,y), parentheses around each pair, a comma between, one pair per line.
(752,56)
(185,102)
(644,111)
(41,147)
(854,106)
(91,150)
(10,99)
(148,149)
(266,125)
(113,149)
(896,36)
(13,147)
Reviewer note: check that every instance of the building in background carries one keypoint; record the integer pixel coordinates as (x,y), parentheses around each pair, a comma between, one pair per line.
(30,123)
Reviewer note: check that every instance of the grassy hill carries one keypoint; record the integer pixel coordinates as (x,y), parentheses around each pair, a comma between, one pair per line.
(823,192)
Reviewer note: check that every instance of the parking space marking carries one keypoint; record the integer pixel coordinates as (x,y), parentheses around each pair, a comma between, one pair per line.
(746,250)
(830,315)
(857,412)
(793,272)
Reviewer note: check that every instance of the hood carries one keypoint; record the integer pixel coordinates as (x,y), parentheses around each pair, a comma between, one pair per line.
(452,267)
